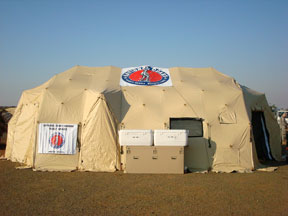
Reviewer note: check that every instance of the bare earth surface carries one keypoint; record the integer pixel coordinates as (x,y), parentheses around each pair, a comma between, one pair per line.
(24,192)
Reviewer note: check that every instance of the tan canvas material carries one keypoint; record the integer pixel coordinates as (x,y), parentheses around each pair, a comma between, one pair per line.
(92,98)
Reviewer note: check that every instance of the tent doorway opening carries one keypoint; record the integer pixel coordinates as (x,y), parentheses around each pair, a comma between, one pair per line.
(261,137)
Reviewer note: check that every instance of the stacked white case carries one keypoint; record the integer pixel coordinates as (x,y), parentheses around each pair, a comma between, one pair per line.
(171,137)
(136,137)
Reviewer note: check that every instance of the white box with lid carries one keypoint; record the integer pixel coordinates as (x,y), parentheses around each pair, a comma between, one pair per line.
(171,137)
(136,137)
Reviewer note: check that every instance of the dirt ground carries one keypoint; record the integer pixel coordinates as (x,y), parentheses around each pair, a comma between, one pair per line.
(24,192)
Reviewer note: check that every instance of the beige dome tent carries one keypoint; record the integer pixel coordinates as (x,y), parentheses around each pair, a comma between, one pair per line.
(231,126)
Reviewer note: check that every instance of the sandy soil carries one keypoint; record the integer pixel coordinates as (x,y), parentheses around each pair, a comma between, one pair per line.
(24,192)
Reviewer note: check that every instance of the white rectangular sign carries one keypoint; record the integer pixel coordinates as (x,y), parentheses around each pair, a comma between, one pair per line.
(57,138)
(145,76)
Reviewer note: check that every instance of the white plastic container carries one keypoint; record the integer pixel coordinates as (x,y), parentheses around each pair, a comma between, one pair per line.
(136,137)
(171,137)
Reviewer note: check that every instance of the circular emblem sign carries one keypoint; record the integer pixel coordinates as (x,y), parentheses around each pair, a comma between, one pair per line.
(145,76)
(57,140)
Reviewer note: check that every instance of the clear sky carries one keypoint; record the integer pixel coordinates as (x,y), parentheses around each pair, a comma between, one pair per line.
(245,39)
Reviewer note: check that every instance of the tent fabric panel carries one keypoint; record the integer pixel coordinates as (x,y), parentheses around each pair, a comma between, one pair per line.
(274,136)
(236,137)
(114,99)
(228,147)
(32,96)
(24,135)
(151,107)
(53,162)
(56,111)
(99,145)
(273,130)
(11,131)
(255,101)
(193,98)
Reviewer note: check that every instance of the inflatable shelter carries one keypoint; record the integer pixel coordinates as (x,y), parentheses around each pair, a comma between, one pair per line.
(231,127)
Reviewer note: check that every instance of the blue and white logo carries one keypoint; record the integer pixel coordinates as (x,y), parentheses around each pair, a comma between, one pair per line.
(145,76)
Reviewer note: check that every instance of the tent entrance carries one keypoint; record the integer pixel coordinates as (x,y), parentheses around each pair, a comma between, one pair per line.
(261,137)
